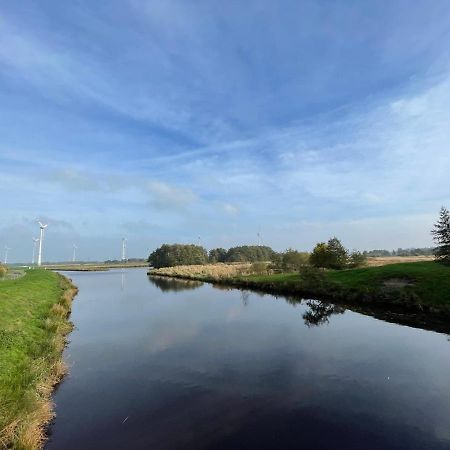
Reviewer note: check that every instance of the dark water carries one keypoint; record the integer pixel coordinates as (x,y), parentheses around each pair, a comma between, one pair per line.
(162,364)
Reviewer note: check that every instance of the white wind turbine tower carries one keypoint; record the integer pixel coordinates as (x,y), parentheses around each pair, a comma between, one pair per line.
(35,240)
(74,252)
(6,253)
(42,227)
(124,249)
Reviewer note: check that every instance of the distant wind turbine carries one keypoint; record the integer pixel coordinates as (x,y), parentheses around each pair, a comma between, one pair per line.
(41,239)
(124,249)
(6,253)
(35,240)
(74,252)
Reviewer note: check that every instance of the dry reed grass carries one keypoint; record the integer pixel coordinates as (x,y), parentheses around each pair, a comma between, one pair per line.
(377,261)
(207,271)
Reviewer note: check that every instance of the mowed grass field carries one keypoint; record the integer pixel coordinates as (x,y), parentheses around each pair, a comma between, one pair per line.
(34,313)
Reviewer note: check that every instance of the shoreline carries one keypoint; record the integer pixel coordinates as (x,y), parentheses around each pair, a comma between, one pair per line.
(390,306)
(33,411)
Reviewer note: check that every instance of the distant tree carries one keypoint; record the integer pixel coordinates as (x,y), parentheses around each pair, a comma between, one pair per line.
(169,255)
(338,254)
(357,259)
(441,235)
(294,260)
(331,255)
(250,253)
(3,270)
(320,255)
(217,255)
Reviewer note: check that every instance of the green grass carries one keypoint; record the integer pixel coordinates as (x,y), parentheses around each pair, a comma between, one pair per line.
(33,323)
(430,280)
(429,283)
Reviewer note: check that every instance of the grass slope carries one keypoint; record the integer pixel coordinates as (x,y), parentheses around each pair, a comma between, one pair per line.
(430,281)
(33,325)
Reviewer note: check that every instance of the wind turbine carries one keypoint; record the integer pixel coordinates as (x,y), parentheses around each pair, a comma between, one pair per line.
(42,227)
(124,249)
(74,252)
(34,250)
(6,253)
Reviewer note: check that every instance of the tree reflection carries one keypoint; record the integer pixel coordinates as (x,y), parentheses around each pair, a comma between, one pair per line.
(319,312)
(244,297)
(167,284)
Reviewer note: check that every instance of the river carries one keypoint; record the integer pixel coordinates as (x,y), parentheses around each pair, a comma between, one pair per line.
(157,363)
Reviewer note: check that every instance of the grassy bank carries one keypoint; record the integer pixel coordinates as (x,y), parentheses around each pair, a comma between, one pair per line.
(34,313)
(422,286)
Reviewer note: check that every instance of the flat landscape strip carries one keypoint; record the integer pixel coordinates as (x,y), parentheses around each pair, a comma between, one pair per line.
(34,311)
(420,286)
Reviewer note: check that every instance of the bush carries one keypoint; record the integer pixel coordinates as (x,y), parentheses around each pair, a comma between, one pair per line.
(293,260)
(357,259)
(259,268)
(3,270)
(250,253)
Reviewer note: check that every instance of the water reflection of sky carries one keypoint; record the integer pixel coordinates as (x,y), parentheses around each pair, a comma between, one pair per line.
(215,368)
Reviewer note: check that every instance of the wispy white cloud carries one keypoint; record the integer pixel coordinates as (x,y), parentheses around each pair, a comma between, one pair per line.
(195,119)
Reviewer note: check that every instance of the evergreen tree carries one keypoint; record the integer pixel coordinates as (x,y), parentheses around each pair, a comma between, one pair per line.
(338,254)
(441,235)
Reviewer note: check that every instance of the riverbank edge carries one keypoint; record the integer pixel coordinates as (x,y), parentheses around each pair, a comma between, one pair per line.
(399,306)
(29,432)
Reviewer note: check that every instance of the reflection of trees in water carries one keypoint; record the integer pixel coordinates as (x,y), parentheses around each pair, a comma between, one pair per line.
(167,284)
(319,312)
(244,297)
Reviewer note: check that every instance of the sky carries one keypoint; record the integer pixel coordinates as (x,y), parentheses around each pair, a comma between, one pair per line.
(210,122)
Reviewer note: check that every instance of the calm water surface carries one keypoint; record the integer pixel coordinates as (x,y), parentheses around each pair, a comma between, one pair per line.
(165,364)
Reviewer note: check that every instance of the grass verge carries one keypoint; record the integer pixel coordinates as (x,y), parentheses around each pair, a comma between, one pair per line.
(34,321)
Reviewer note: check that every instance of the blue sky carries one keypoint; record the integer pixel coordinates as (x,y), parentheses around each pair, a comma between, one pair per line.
(166,121)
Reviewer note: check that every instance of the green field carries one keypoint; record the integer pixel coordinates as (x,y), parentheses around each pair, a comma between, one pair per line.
(430,281)
(426,283)
(33,325)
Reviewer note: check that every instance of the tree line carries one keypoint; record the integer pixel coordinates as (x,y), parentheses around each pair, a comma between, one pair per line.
(169,255)
(422,251)
(330,255)
(327,255)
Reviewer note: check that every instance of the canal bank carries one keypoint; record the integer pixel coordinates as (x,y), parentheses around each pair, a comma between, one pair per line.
(34,322)
(416,294)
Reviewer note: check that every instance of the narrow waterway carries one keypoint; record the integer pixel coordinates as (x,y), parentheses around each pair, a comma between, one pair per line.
(157,363)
